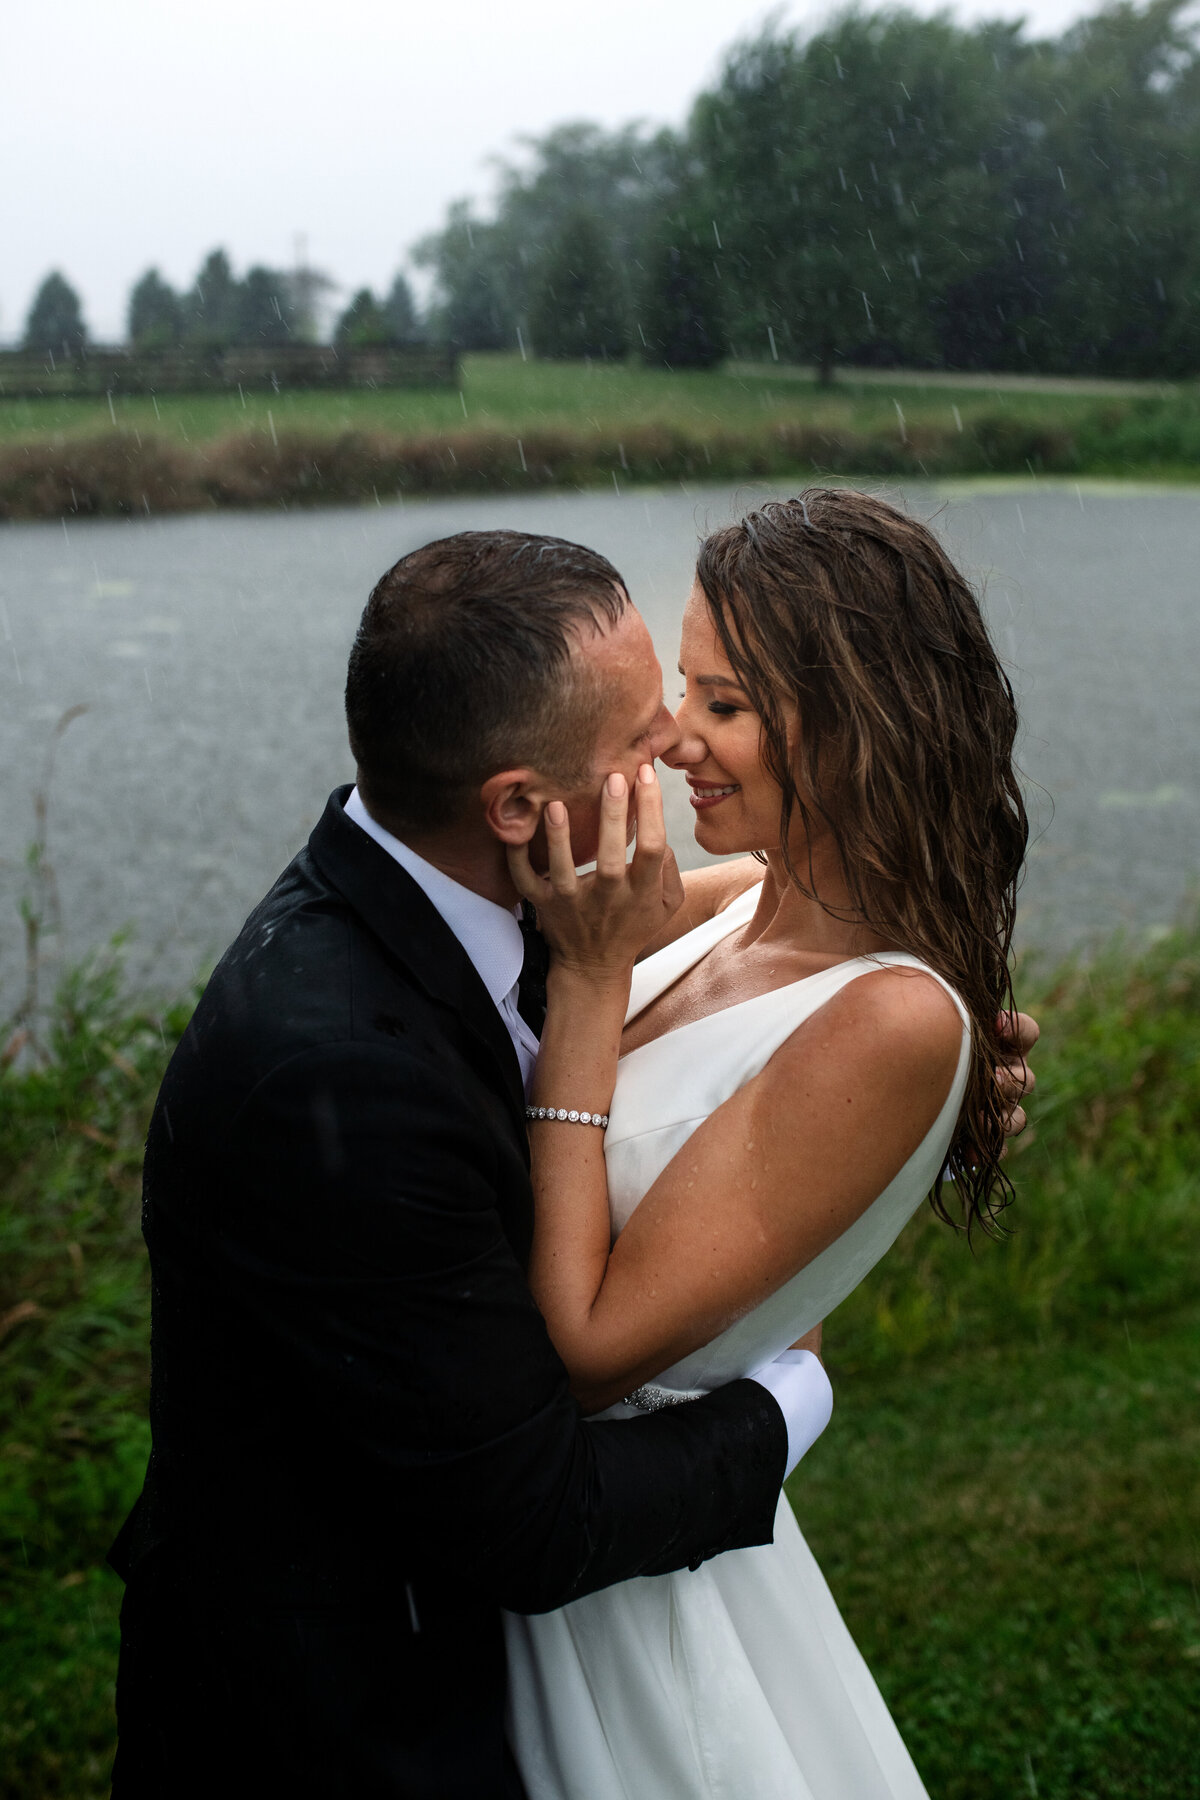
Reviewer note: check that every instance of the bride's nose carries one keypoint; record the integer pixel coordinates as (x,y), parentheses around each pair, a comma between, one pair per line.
(689,747)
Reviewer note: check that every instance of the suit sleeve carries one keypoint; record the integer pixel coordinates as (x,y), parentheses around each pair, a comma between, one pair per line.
(402,1310)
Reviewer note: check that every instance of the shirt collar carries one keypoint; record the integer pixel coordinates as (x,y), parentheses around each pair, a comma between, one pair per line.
(488,932)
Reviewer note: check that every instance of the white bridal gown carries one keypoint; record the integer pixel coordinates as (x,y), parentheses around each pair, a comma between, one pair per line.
(738,1680)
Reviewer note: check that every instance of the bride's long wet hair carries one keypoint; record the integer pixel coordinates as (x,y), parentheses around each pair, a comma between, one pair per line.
(845,609)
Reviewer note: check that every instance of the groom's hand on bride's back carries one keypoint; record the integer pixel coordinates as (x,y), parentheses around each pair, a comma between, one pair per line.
(1014,1077)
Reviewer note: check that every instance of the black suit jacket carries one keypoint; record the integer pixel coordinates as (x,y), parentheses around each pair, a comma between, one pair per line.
(363,1441)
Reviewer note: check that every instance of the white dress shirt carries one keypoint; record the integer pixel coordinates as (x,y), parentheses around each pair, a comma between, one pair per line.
(489,933)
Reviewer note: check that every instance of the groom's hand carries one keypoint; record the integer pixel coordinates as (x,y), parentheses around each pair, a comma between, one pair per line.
(1014,1077)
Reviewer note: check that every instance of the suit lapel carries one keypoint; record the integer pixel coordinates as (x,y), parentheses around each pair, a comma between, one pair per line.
(412,930)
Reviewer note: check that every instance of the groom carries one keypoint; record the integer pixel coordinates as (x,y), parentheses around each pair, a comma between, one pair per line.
(363,1441)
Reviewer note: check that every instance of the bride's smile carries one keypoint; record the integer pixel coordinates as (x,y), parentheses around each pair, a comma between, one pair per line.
(709,796)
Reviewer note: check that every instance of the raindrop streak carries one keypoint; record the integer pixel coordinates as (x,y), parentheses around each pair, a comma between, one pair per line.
(271,423)
(521,454)
(462,398)
(900,417)
(521,345)
(112,411)
(774,351)
(959,424)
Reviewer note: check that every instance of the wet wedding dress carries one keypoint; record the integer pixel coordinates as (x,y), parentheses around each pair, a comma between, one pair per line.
(738,1680)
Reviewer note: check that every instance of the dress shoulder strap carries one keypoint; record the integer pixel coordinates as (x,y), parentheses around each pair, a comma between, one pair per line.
(832,981)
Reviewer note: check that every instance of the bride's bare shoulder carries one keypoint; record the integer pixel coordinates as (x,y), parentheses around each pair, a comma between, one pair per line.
(707,892)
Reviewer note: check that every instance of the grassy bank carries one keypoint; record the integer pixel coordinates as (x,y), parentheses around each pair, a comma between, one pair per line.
(1007,1503)
(516,426)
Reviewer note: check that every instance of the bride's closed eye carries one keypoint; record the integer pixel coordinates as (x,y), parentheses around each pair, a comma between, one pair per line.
(722,708)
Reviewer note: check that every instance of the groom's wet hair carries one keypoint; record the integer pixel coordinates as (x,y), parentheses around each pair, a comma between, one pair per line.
(464,665)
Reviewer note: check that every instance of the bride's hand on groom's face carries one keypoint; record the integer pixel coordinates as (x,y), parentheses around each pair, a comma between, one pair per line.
(596,925)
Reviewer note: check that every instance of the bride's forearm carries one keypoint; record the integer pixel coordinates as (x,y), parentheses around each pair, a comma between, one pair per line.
(576,1069)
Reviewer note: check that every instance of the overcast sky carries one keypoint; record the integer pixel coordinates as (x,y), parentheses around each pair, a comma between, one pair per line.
(136,133)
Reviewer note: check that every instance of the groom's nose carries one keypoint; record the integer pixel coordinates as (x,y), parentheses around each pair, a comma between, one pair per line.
(664,733)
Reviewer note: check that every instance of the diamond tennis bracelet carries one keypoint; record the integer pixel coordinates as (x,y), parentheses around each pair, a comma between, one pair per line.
(568,1117)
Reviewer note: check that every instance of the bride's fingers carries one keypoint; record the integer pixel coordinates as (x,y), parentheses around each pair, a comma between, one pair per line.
(563,878)
(613,837)
(651,826)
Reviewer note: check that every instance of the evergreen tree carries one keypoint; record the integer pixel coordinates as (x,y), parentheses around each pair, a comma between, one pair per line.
(55,323)
(262,308)
(211,308)
(364,324)
(401,313)
(155,319)
(577,305)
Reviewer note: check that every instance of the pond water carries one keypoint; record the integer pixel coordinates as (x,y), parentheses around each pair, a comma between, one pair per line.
(210,652)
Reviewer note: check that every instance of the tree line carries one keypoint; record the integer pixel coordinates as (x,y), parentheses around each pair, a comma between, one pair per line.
(887,189)
(220,310)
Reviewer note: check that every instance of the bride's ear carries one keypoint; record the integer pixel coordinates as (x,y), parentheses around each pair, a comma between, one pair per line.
(512,804)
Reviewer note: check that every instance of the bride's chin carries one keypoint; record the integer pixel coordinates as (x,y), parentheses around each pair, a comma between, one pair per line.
(710,837)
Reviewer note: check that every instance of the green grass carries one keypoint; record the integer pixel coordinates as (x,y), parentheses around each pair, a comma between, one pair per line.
(1007,1505)
(502,392)
(74,1309)
(1012,1537)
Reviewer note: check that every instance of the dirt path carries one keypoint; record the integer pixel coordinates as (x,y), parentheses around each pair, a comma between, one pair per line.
(1083,385)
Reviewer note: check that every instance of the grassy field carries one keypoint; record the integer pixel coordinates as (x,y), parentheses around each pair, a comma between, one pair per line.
(1007,1504)
(501,392)
(518,425)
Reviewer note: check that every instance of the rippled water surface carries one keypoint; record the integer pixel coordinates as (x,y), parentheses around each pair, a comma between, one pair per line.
(210,652)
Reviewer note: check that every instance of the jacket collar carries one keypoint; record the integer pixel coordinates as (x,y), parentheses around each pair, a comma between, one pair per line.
(414,933)
(489,933)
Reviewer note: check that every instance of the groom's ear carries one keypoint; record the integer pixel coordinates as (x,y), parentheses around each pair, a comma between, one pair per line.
(512,804)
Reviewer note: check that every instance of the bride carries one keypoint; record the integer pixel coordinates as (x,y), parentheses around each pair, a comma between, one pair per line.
(774,1116)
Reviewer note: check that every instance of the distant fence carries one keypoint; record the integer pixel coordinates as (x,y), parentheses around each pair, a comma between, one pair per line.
(254,368)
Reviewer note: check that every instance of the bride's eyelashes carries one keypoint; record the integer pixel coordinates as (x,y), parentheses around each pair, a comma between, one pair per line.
(722,708)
